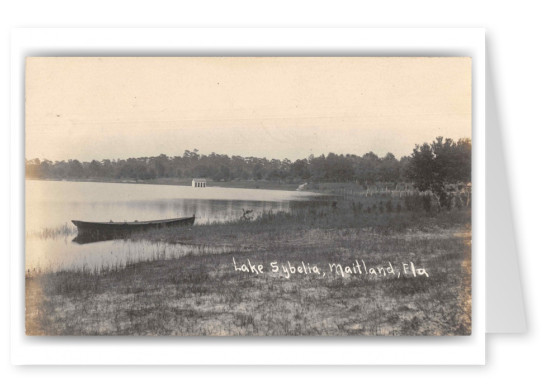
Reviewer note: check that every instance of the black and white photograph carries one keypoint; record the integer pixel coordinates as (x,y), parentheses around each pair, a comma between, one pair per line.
(248,196)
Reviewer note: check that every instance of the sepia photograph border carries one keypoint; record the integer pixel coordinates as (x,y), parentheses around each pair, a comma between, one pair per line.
(279,42)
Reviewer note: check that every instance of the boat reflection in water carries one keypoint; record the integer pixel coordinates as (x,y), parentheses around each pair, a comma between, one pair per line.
(51,205)
(89,232)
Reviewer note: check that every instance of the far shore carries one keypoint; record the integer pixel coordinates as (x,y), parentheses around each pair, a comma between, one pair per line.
(241,184)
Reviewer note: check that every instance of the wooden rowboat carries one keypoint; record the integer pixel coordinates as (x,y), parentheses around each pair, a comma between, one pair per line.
(107,230)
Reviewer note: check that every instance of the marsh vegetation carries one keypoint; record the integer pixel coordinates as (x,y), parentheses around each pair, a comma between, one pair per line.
(202,294)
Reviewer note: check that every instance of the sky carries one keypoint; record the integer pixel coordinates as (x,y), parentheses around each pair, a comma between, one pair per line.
(286,107)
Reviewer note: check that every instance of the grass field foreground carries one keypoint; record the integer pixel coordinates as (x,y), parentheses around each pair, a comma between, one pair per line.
(213,295)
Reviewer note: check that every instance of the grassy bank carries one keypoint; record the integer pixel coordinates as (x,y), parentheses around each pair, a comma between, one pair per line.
(206,295)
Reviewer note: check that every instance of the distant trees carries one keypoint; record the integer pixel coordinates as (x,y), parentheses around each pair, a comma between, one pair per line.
(433,166)
(299,169)
(429,167)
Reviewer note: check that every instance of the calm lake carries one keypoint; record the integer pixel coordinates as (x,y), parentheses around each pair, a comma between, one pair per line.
(51,205)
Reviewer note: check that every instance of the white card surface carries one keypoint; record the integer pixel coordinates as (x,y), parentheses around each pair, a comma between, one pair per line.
(291,351)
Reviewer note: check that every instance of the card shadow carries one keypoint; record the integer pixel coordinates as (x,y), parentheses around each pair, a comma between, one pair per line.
(505,312)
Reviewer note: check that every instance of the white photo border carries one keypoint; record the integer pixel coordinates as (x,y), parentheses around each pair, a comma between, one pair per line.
(319,42)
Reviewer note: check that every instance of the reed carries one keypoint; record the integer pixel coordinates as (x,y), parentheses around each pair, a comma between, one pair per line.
(203,294)
(64,230)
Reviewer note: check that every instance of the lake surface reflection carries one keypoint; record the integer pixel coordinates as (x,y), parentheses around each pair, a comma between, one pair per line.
(51,205)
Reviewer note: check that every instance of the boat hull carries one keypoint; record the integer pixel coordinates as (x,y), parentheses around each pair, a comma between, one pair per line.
(94,231)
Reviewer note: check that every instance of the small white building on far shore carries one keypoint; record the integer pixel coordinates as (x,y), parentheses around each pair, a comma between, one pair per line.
(199,182)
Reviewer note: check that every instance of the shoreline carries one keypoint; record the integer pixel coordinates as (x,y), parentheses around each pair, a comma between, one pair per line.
(241,184)
(205,294)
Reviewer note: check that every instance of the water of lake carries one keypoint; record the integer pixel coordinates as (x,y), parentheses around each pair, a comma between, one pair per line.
(51,205)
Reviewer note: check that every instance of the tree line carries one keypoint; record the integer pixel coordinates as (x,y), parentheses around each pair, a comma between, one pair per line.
(441,161)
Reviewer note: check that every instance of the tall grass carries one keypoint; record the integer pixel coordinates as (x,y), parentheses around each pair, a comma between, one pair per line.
(373,216)
(202,294)
(64,230)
